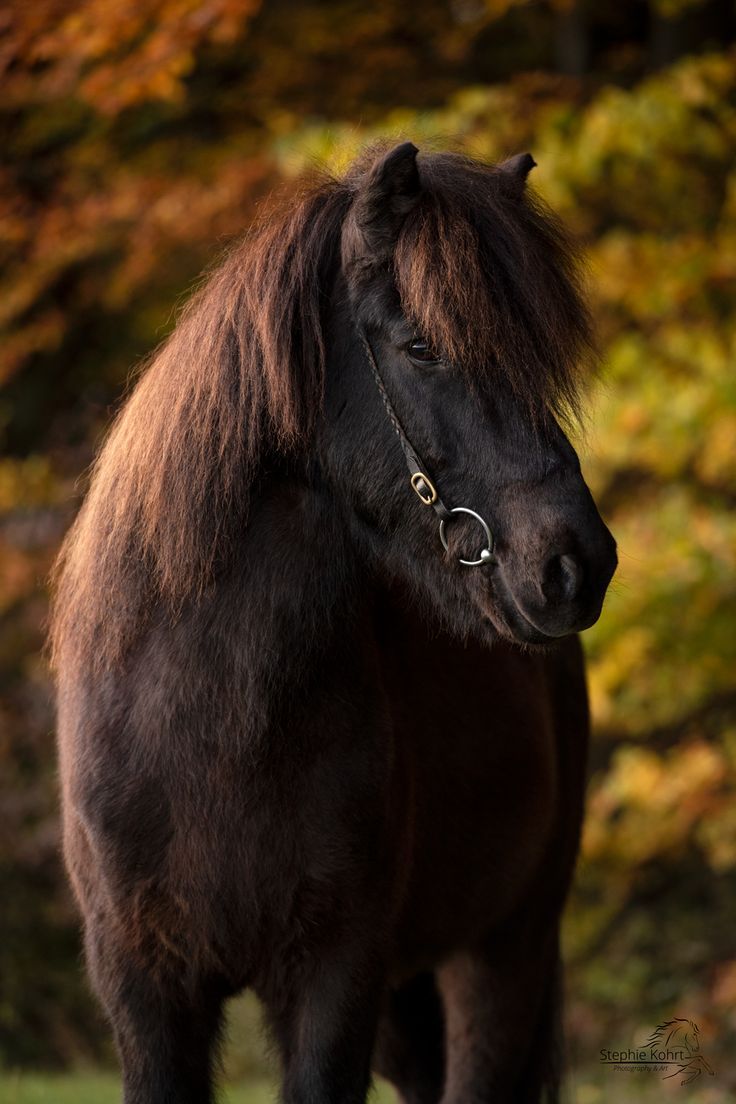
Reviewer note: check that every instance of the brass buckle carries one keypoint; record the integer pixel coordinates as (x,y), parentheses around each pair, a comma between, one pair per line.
(424,488)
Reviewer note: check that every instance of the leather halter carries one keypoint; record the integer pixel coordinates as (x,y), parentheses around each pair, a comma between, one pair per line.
(421,483)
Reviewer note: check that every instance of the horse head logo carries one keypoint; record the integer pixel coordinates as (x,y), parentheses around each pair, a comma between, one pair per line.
(677,1042)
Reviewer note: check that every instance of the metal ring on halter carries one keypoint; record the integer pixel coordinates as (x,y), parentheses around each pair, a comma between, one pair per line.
(486,554)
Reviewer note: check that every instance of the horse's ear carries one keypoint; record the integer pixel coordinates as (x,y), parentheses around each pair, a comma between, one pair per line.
(388,193)
(517,169)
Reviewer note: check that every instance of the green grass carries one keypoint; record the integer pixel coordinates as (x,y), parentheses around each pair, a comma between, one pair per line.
(32,1088)
(104,1088)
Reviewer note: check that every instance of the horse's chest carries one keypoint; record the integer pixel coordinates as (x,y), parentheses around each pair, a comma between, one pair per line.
(477,759)
(480,819)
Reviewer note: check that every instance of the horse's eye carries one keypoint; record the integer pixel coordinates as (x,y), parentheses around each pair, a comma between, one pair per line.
(422,352)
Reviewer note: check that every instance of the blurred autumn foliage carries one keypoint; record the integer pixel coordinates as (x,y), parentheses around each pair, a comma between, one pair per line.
(137,139)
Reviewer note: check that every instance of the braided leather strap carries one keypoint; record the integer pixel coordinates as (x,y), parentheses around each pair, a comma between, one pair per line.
(420,481)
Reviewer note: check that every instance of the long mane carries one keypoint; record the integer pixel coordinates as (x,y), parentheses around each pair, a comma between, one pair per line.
(491,277)
(240,376)
(487,275)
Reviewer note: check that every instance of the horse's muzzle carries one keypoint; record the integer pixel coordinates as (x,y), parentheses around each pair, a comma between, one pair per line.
(566,594)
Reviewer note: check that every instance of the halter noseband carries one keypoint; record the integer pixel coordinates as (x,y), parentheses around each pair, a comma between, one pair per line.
(423,486)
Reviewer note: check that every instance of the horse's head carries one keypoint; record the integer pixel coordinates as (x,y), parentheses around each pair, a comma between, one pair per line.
(465,291)
(678,1033)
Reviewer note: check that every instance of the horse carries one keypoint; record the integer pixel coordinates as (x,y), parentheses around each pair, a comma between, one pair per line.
(677,1043)
(322,716)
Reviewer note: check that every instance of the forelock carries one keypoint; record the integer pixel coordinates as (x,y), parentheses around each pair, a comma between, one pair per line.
(491,278)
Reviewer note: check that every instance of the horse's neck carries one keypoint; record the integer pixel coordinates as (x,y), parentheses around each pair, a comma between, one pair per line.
(296,581)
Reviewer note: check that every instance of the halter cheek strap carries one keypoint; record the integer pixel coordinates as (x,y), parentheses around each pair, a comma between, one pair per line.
(421,483)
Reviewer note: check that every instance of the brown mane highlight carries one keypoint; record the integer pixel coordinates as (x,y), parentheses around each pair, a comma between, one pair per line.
(241,375)
(491,278)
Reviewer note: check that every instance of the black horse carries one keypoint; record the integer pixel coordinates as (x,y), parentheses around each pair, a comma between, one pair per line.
(322,711)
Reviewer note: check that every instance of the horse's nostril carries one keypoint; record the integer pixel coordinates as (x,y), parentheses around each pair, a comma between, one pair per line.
(563,576)
(572,573)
